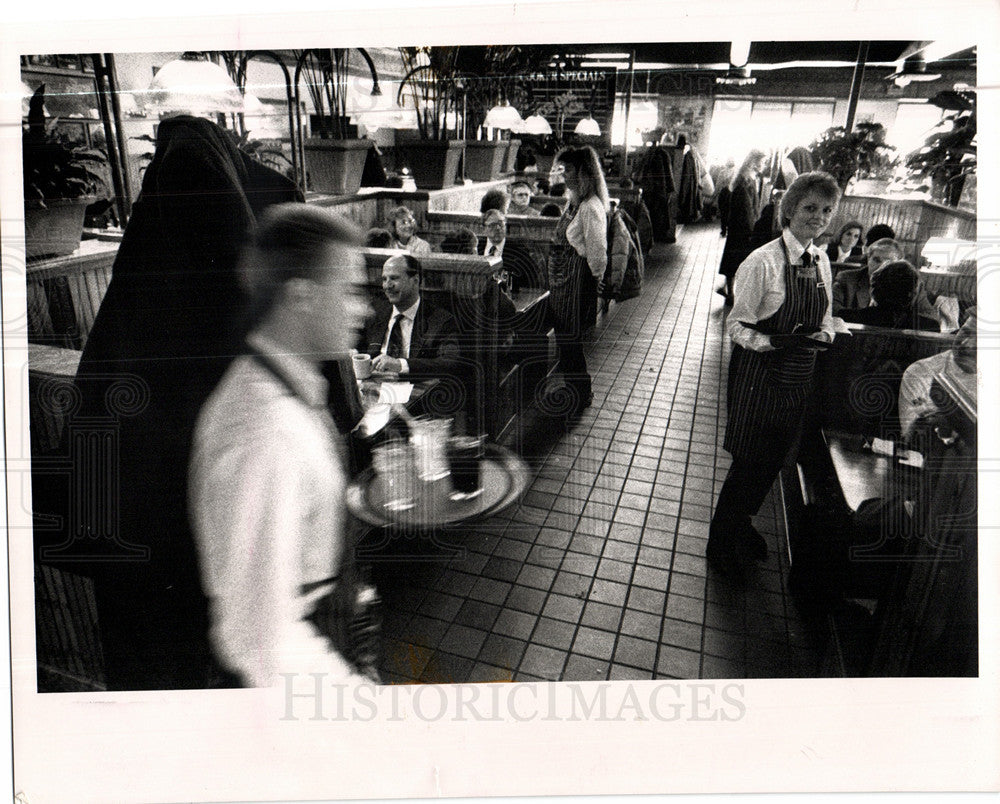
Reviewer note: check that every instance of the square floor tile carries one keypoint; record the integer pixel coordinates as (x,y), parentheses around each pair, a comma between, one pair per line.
(536,577)
(678,663)
(685,608)
(651,578)
(585,668)
(563,607)
(525,598)
(570,583)
(592,642)
(490,590)
(502,651)
(608,592)
(543,661)
(502,569)
(477,614)
(635,652)
(681,634)
(517,624)
(554,633)
(641,624)
(580,564)
(601,615)
(649,600)
(461,640)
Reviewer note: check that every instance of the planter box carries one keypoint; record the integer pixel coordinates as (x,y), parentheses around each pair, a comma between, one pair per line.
(335,166)
(433,163)
(484,159)
(55,229)
(510,163)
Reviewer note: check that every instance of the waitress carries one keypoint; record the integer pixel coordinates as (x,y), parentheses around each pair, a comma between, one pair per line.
(577,260)
(781,318)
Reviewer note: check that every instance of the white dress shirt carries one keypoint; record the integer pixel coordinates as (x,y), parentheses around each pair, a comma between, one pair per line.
(759,290)
(490,245)
(587,233)
(266,494)
(406,326)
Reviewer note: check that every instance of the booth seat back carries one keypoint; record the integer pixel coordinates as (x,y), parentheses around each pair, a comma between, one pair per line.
(857,390)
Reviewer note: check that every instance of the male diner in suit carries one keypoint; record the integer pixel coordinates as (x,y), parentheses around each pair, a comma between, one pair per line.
(410,335)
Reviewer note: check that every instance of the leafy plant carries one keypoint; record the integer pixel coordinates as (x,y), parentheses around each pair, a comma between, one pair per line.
(435,86)
(949,154)
(53,167)
(327,72)
(862,153)
(494,75)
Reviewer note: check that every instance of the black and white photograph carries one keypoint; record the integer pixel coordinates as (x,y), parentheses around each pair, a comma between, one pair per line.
(424,398)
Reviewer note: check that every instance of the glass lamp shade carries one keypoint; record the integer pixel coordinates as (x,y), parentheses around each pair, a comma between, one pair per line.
(192,86)
(588,127)
(505,116)
(535,124)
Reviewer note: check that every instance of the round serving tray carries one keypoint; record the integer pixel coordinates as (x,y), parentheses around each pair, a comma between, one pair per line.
(504,475)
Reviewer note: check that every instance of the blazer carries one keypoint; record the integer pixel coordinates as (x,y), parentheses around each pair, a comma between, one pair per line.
(851,289)
(434,347)
(519,263)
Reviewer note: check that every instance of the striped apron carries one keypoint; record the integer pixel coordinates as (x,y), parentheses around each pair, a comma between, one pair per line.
(767,390)
(572,287)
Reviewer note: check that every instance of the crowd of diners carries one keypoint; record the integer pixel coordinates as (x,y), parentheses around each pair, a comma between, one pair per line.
(237,462)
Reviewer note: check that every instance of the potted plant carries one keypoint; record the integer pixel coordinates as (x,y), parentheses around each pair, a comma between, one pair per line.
(861,152)
(435,88)
(948,156)
(334,155)
(493,79)
(60,181)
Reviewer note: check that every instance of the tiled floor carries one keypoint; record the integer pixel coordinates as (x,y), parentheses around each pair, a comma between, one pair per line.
(600,573)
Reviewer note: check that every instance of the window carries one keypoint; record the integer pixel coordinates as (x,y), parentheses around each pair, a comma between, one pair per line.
(914,124)
(739,124)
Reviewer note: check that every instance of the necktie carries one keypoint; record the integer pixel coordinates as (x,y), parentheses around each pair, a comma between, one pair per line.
(493,251)
(808,267)
(395,346)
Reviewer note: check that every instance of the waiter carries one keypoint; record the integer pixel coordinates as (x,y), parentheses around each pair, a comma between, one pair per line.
(781,317)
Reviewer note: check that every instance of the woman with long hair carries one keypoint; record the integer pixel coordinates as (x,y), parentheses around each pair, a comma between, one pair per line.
(744,209)
(577,260)
(781,316)
(403,227)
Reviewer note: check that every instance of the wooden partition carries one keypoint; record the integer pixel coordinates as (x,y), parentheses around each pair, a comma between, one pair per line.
(914,220)
(858,387)
(536,234)
(65,293)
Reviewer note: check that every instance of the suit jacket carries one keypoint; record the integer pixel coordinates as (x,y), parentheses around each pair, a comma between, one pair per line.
(519,263)
(851,289)
(743,214)
(434,347)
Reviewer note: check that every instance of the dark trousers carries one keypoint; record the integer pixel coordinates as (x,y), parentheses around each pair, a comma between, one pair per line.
(743,492)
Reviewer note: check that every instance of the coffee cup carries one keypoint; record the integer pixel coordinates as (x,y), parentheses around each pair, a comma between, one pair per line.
(362,365)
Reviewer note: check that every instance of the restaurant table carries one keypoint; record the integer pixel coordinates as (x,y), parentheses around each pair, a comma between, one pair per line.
(863,474)
(504,476)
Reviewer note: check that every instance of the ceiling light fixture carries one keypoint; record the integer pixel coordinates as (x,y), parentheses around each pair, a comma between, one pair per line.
(914,69)
(192,85)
